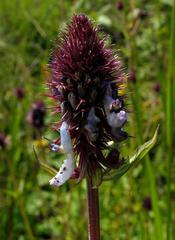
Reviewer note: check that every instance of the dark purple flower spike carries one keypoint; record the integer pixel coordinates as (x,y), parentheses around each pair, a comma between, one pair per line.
(86,79)
(3,140)
(120,5)
(36,115)
(19,93)
(147,205)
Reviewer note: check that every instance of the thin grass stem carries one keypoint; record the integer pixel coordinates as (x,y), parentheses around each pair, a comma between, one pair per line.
(170,87)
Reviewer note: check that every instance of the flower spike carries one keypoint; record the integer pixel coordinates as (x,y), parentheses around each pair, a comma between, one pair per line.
(86,79)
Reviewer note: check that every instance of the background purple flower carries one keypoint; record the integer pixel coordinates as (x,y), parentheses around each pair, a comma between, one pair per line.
(37,114)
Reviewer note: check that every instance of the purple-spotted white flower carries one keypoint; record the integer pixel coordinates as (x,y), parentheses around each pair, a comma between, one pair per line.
(68,166)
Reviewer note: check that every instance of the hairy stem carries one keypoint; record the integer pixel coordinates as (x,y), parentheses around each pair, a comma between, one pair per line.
(93,212)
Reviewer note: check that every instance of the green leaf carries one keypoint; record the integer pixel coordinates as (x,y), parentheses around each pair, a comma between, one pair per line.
(133,159)
(48,168)
(97,178)
(45,166)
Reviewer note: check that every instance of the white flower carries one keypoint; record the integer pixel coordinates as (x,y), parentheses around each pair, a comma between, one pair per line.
(68,166)
(114,119)
(64,173)
(66,142)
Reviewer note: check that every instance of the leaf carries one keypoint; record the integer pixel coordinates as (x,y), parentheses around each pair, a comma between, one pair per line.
(133,159)
(46,167)
(97,178)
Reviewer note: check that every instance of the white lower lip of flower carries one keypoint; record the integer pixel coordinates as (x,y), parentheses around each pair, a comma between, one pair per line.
(66,142)
(68,166)
(116,120)
(64,173)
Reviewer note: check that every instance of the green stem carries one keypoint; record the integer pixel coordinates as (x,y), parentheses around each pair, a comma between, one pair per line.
(170,87)
(21,207)
(149,169)
(136,102)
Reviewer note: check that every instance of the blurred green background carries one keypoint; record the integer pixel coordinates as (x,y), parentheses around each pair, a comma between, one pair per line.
(140,205)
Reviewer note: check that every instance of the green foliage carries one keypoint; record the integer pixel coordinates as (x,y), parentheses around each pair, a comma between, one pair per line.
(133,159)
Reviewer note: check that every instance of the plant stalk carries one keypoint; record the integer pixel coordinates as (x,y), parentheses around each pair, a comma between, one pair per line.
(170,87)
(93,212)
